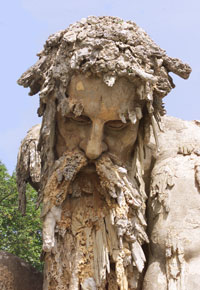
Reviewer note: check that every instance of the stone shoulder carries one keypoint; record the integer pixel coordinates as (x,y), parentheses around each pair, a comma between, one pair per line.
(179,137)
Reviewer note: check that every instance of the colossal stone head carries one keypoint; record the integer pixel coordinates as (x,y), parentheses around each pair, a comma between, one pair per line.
(101,83)
(103,73)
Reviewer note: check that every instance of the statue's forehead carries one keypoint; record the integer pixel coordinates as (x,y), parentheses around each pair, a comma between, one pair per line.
(93,86)
(97,98)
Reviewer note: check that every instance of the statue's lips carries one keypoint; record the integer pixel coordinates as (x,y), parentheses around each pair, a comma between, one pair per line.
(89,168)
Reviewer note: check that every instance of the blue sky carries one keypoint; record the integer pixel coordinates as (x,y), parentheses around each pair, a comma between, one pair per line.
(25,25)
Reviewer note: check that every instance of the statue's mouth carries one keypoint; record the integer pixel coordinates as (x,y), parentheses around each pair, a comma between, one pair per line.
(89,168)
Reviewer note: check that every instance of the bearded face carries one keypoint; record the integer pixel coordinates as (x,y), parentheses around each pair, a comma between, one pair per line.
(93,206)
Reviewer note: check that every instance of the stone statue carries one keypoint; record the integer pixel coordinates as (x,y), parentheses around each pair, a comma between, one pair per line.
(119,182)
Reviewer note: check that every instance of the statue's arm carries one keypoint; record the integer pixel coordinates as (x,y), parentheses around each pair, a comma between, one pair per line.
(173,209)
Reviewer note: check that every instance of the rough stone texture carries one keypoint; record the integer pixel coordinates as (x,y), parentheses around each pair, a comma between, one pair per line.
(16,274)
(105,148)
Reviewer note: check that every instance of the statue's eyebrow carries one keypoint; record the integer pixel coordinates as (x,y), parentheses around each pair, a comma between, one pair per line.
(77,109)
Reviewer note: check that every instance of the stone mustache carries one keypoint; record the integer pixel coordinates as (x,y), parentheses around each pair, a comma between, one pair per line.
(108,181)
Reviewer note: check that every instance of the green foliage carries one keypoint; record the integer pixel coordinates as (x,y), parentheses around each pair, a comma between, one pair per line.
(19,235)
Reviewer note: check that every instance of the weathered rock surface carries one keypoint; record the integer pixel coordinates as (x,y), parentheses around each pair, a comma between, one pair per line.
(16,274)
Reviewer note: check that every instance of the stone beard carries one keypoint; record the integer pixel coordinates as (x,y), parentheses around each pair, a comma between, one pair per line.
(94,226)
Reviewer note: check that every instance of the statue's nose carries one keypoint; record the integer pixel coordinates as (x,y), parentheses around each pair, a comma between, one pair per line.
(94,146)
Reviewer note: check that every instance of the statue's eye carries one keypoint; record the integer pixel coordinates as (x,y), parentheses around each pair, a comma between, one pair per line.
(116,125)
(84,120)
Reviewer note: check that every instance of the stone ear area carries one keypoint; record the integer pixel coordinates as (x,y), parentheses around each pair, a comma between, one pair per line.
(28,169)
